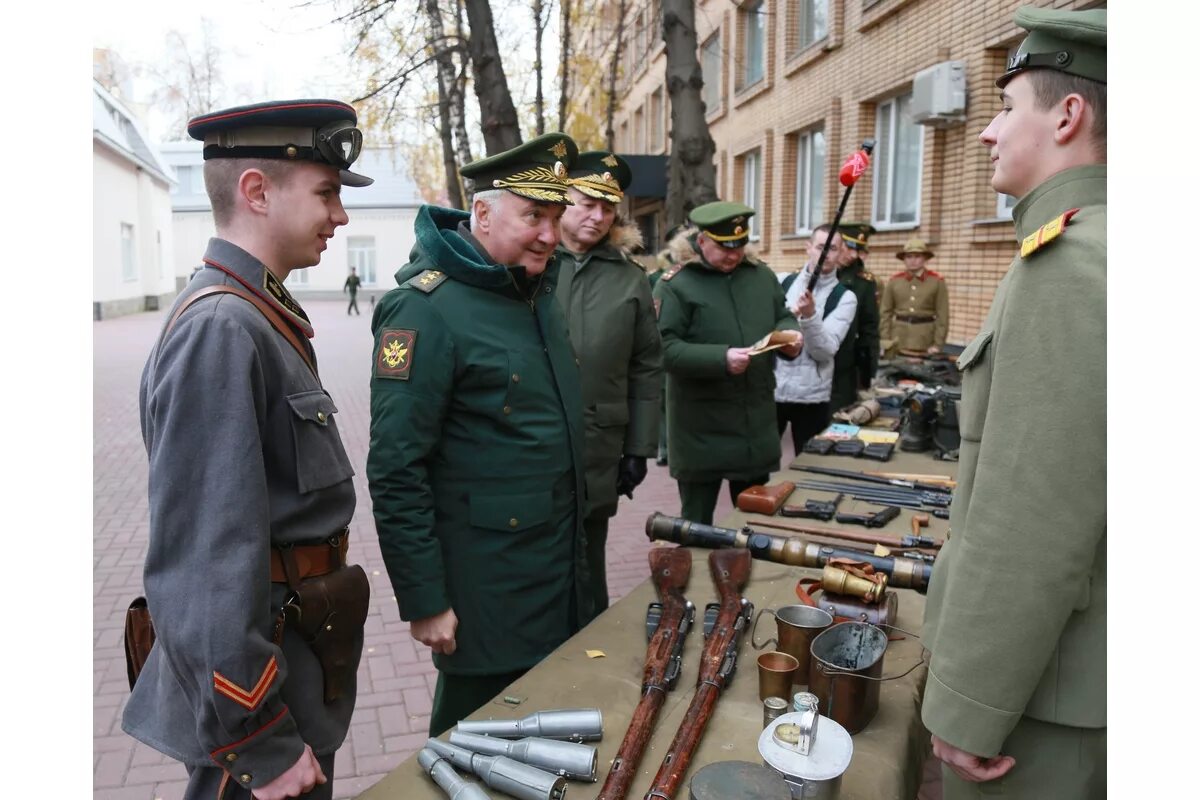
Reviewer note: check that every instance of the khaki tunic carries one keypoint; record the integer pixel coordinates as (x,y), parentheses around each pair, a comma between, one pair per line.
(908,298)
(1016,617)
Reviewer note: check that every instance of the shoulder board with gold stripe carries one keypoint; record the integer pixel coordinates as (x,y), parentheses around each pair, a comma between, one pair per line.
(427,281)
(867,275)
(672,272)
(1048,232)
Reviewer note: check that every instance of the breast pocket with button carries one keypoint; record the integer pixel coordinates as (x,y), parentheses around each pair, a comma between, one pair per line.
(975,364)
(321,459)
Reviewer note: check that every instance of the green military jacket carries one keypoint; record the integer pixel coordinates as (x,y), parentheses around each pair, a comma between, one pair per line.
(859,352)
(720,425)
(914,312)
(475,460)
(1017,604)
(610,314)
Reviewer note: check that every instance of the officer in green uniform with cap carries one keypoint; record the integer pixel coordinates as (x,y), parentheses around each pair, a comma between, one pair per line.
(1016,616)
(476,453)
(858,357)
(610,314)
(713,306)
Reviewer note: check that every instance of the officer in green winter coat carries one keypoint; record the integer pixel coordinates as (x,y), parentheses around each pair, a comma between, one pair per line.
(1016,617)
(475,463)
(858,357)
(714,304)
(610,314)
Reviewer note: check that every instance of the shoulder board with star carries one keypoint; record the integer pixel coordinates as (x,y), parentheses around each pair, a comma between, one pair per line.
(427,280)
(672,272)
(1047,233)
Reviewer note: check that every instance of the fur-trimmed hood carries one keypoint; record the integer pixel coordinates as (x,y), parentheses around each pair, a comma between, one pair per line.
(624,235)
(681,251)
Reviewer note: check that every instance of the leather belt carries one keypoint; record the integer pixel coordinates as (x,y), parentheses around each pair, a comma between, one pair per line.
(914,319)
(313,560)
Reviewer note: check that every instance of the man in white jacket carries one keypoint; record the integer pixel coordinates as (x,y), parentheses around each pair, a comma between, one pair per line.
(802,386)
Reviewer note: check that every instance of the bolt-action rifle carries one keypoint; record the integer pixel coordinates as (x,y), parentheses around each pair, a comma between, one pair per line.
(904,573)
(725,624)
(667,624)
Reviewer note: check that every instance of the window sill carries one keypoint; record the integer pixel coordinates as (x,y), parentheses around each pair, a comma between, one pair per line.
(748,93)
(998,230)
(713,116)
(884,227)
(880,11)
(802,58)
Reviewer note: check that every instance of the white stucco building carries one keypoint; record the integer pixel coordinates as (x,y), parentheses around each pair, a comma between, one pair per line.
(377,240)
(131,214)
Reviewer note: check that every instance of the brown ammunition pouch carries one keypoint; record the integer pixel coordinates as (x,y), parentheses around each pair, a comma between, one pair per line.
(852,592)
(765,499)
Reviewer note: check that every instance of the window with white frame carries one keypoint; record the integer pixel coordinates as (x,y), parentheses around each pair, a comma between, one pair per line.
(754,51)
(897,191)
(810,22)
(297,277)
(810,179)
(1005,202)
(655,121)
(128,255)
(710,68)
(752,187)
(361,256)
(639,129)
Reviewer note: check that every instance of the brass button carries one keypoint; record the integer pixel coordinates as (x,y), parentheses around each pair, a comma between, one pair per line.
(292,152)
(231,757)
(516,378)
(246,777)
(321,416)
(508,410)
(577,362)
(512,523)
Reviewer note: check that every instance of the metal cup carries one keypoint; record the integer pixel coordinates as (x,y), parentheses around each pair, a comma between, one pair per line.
(776,671)
(798,625)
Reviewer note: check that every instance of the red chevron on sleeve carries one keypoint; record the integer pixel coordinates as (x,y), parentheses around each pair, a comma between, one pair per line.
(250,699)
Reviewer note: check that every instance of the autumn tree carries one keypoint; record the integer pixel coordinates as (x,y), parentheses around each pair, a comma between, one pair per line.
(691,175)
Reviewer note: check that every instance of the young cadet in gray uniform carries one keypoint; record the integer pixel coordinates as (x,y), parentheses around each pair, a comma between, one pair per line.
(248,477)
(713,306)
(610,313)
(476,455)
(1016,618)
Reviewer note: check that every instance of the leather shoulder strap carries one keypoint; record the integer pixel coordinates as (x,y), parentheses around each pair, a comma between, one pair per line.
(268,312)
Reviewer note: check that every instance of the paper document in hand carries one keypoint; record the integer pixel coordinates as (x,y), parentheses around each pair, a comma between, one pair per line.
(773,341)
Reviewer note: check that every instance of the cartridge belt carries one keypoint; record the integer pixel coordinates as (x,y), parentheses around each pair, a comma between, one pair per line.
(913,318)
(313,560)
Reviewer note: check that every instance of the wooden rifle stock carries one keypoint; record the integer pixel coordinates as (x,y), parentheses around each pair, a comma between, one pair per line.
(730,571)
(670,568)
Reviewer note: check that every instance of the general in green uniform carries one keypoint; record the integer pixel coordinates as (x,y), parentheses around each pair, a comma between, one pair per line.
(713,306)
(1016,617)
(858,357)
(914,315)
(610,314)
(475,463)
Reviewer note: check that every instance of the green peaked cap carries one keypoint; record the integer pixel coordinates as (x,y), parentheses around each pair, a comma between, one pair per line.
(1074,42)
(536,169)
(601,174)
(856,234)
(727,224)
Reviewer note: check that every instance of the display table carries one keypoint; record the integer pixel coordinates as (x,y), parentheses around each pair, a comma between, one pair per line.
(888,753)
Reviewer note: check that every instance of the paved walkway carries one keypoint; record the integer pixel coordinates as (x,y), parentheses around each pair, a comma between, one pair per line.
(396,677)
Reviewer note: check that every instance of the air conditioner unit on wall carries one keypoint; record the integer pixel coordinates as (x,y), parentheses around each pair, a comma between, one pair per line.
(940,95)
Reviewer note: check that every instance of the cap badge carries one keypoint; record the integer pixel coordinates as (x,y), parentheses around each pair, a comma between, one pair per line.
(608,177)
(560,171)
(609,160)
(559,150)
(737,231)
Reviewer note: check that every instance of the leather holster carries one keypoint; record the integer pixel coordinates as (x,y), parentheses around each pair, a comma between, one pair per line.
(765,499)
(328,611)
(139,638)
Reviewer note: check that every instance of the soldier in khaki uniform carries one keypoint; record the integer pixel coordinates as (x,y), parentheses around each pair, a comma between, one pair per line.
(914,315)
(1016,618)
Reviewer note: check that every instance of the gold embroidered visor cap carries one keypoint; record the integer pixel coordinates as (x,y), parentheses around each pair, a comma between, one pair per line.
(536,170)
(1074,42)
(601,174)
(323,131)
(856,234)
(727,224)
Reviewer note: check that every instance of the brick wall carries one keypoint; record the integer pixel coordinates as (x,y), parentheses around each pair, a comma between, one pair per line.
(869,55)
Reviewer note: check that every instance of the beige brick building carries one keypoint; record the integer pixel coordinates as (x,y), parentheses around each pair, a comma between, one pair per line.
(794,86)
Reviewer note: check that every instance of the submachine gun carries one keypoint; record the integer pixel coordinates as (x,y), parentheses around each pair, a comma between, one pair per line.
(904,573)
(667,625)
(725,624)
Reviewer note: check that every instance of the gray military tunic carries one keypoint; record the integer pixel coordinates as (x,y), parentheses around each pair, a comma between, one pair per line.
(244,454)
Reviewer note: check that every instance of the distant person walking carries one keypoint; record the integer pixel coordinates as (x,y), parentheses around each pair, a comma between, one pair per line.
(351,285)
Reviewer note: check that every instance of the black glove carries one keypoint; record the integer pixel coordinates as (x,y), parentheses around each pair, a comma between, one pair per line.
(631,471)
